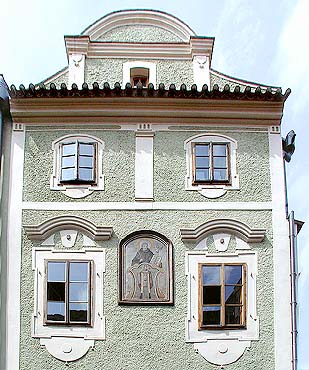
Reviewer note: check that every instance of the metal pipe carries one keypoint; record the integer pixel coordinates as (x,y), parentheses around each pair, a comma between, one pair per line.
(293,276)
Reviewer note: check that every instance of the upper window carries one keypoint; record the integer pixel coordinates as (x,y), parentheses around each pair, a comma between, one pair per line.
(78,162)
(139,75)
(77,165)
(68,292)
(211,164)
(139,71)
(221,296)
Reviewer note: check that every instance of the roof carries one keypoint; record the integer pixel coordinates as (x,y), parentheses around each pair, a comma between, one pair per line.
(226,93)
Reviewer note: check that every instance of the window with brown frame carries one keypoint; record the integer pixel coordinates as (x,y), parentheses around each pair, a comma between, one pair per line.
(68,292)
(139,74)
(222,296)
(210,163)
(78,162)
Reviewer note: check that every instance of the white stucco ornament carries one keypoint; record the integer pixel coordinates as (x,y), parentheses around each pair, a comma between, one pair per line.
(218,353)
(221,241)
(67,349)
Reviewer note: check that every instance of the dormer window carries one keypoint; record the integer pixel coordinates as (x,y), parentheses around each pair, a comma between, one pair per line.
(139,71)
(139,75)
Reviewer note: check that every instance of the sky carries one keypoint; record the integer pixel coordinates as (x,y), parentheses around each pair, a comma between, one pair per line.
(258,40)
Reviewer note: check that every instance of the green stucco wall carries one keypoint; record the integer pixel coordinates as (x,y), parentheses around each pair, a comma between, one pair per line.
(169,166)
(153,337)
(139,33)
(168,71)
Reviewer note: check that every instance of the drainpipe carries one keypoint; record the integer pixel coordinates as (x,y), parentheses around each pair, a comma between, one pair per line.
(293,275)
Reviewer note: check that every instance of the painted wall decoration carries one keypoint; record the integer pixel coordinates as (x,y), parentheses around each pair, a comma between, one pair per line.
(145,269)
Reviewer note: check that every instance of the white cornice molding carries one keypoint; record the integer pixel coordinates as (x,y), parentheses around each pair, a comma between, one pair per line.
(145,110)
(140,205)
(98,49)
(237,228)
(139,17)
(43,230)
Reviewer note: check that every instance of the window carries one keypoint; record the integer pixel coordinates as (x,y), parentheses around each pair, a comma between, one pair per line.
(77,162)
(77,169)
(68,292)
(139,71)
(68,298)
(221,296)
(210,162)
(139,75)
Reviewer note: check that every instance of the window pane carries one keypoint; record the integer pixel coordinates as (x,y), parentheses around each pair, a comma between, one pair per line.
(232,294)
(68,161)
(211,275)
(233,274)
(56,291)
(78,312)
(211,315)
(232,315)
(69,149)
(219,149)
(219,162)
(202,162)
(85,161)
(78,292)
(79,271)
(68,174)
(85,174)
(56,271)
(211,294)
(202,175)
(55,311)
(86,149)
(220,175)
(202,150)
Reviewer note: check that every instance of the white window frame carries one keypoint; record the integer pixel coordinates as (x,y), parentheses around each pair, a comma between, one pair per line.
(68,342)
(77,190)
(225,345)
(211,190)
(127,66)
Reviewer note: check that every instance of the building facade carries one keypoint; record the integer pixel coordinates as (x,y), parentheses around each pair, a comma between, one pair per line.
(146,217)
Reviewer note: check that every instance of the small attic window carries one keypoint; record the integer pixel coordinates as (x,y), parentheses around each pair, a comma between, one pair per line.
(139,74)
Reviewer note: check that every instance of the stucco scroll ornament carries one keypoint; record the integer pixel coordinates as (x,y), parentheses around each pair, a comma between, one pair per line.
(201,60)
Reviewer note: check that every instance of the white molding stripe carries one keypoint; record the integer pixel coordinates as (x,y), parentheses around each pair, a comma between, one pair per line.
(281,256)
(140,205)
(14,250)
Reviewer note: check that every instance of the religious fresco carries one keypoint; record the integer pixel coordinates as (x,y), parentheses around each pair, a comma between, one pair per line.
(145,268)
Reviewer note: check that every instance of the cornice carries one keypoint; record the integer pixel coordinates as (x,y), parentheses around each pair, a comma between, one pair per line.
(237,228)
(43,230)
(100,49)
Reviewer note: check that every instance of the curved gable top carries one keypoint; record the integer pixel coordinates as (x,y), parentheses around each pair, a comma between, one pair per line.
(139,17)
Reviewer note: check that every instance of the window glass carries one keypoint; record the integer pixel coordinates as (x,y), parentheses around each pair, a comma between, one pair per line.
(68,289)
(221,295)
(68,174)
(86,149)
(69,149)
(85,161)
(68,161)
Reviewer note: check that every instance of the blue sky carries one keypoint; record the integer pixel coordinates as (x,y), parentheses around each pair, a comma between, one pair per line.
(263,41)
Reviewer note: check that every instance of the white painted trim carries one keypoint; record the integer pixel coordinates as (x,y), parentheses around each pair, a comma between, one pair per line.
(186,206)
(14,250)
(211,190)
(144,166)
(201,71)
(127,66)
(77,190)
(76,70)
(139,17)
(281,255)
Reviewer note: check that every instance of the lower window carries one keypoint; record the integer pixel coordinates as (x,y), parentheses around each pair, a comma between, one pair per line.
(222,290)
(68,292)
